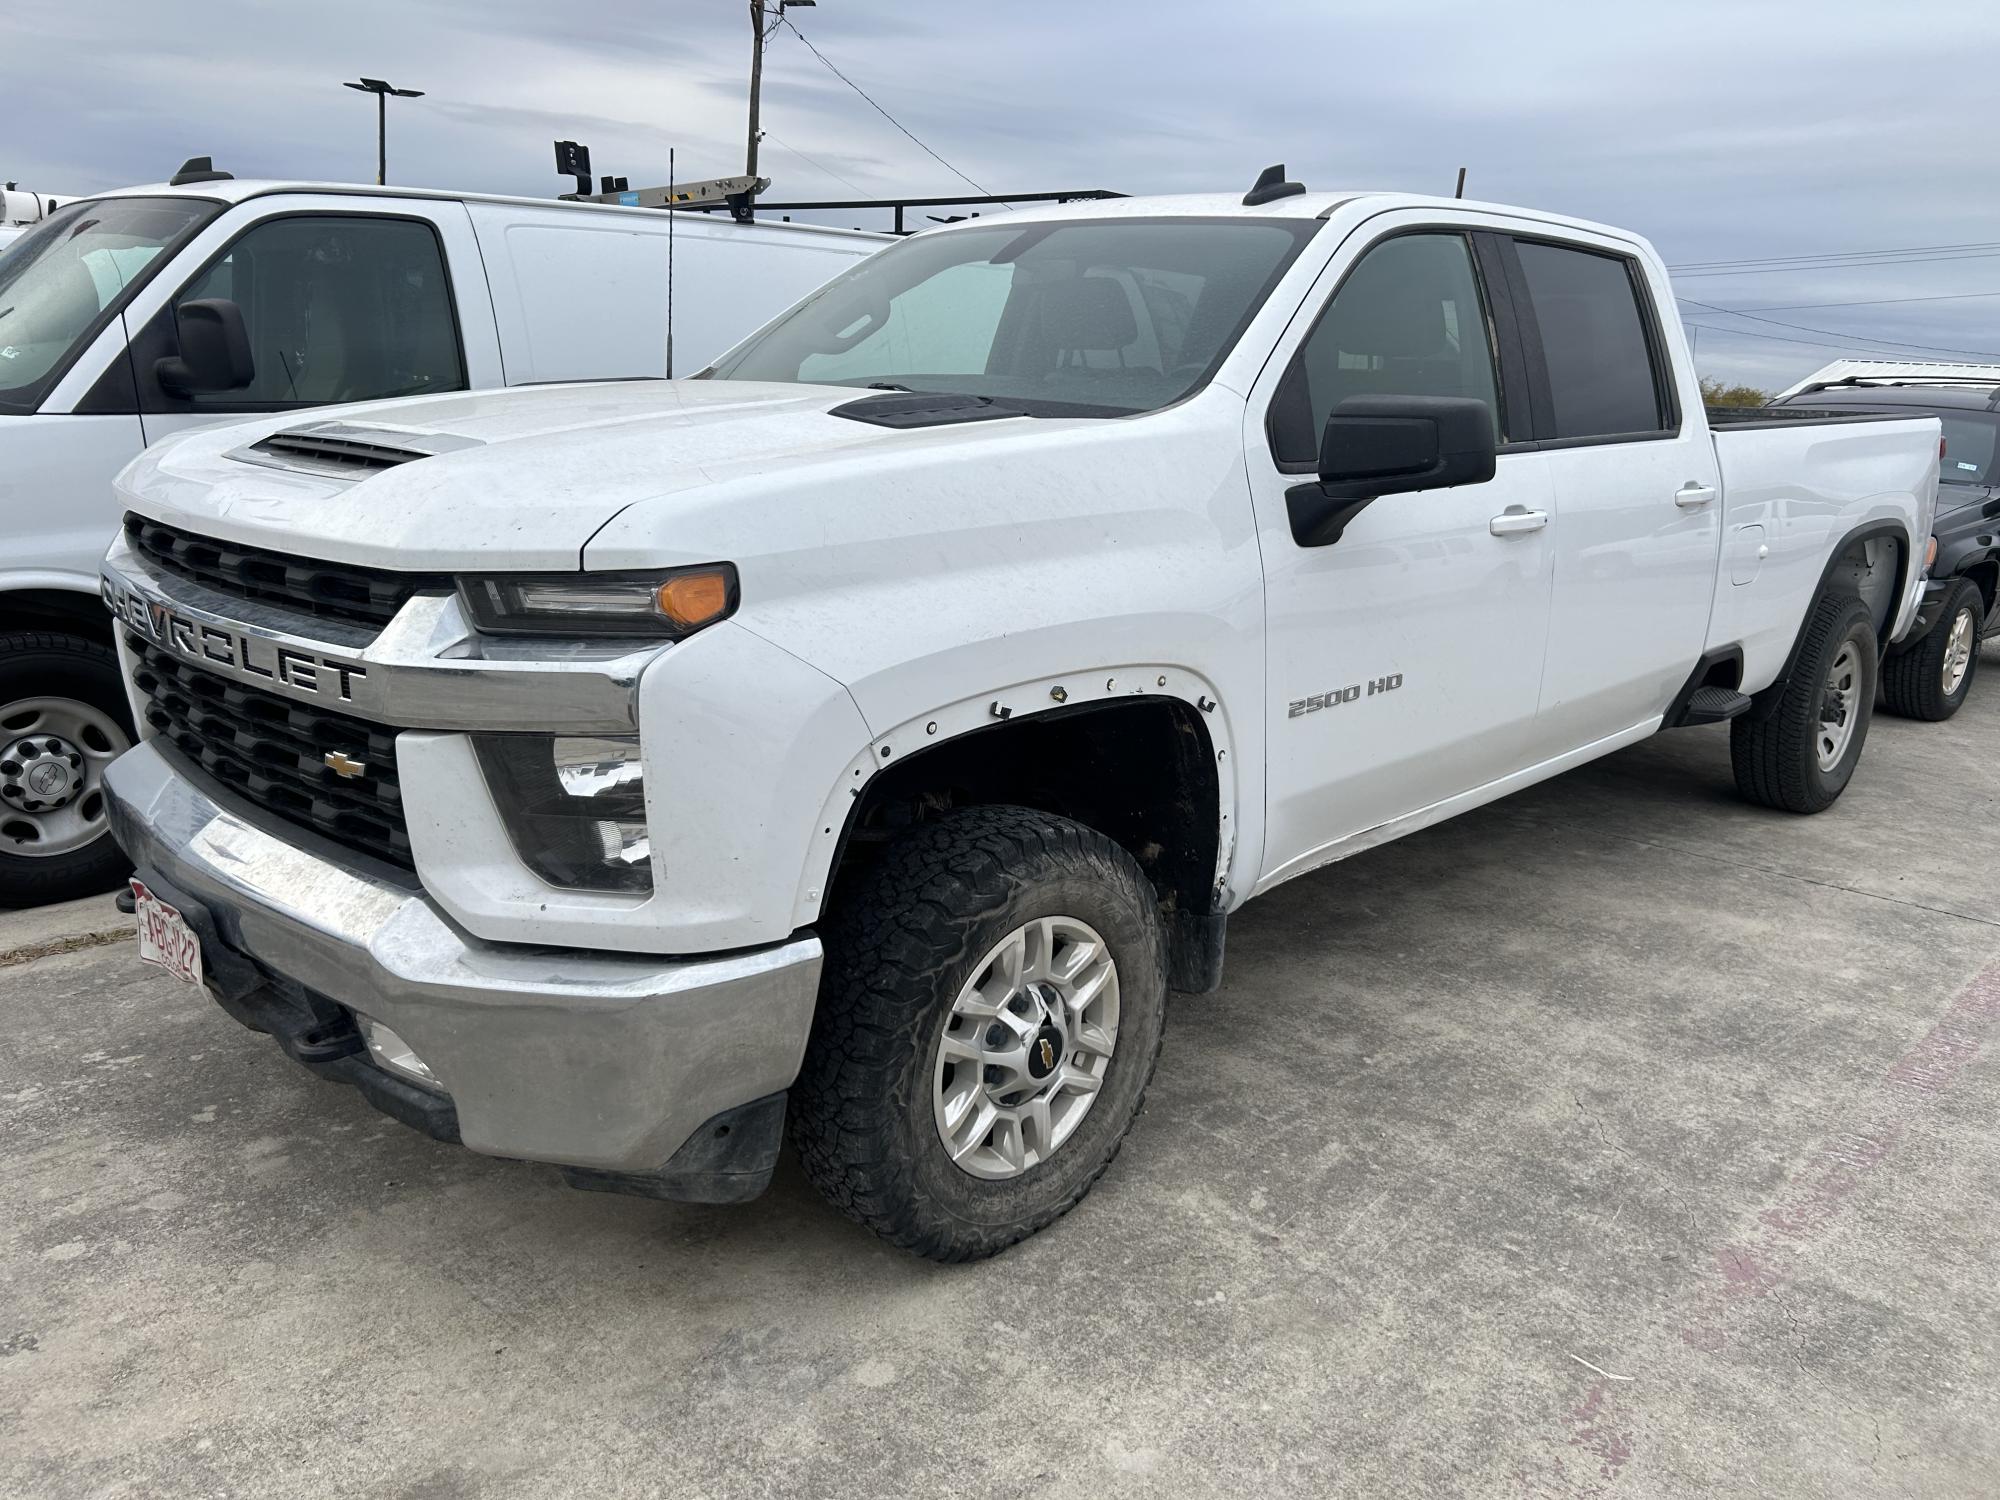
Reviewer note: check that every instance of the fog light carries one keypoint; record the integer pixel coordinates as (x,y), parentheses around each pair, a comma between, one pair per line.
(393,1053)
(574,806)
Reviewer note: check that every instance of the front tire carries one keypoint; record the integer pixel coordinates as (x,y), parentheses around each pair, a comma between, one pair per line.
(1931,679)
(1801,757)
(990,1014)
(62,721)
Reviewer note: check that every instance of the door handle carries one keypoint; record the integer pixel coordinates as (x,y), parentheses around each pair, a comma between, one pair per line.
(1692,496)
(1517,522)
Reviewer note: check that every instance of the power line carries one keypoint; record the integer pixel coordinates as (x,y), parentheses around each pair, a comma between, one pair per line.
(1766,260)
(1776,338)
(773,139)
(1871,302)
(828,64)
(1837,333)
(1834,265)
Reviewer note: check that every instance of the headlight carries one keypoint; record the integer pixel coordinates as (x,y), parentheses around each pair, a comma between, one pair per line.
(663,606)
(575,807)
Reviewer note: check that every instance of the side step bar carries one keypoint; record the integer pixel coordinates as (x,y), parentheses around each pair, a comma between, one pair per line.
(1712,705)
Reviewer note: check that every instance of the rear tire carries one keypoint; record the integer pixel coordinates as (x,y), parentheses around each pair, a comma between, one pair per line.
(63,715)
(1931,679)
(1800,757)
(917,978)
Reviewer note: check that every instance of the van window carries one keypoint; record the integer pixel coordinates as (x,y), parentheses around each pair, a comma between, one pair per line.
(1407,321)
(1600,361)
(338,307)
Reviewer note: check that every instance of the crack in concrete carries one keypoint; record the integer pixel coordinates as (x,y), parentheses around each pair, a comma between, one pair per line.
(1663,1181)
(74,942)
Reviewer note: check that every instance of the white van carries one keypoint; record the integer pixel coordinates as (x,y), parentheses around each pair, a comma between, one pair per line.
(143,312)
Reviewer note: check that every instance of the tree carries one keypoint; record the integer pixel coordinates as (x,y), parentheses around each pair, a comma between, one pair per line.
(1715,393)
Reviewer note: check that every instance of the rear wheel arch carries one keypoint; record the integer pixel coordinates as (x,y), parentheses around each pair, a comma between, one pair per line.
(1879,583)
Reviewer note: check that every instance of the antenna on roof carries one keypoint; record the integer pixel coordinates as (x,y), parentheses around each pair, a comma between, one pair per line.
(671,216)
(1459,191)
(1271,185)
(198,169)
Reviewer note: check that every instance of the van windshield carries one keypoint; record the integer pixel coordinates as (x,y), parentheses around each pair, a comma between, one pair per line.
(1099,317)
(65,278)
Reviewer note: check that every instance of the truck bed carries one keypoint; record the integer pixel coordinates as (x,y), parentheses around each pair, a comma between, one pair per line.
(1797,482)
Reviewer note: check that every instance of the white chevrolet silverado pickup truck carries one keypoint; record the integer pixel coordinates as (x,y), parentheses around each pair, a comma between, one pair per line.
(865,735)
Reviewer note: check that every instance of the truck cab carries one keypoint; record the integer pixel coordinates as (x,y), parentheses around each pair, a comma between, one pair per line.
(858,740)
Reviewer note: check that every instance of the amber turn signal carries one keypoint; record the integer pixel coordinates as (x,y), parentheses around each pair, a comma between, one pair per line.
(691,600)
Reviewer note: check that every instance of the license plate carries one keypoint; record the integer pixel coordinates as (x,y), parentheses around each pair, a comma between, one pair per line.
(165,937)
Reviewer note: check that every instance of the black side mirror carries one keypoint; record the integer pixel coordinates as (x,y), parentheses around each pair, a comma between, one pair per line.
(1388,445)
(215,349)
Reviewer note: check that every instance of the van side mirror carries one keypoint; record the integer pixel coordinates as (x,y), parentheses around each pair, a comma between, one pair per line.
(215,349)
(1388,445)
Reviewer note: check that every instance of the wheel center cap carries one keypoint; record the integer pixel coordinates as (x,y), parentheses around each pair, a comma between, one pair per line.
(40,773)
(1045,1052)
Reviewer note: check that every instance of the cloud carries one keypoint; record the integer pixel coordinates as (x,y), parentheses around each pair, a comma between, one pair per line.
(1716,128)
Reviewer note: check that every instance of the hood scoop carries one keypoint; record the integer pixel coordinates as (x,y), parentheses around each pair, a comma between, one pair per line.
(346,450)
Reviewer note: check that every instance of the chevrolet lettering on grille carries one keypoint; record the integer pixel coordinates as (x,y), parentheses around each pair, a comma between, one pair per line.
(246,657)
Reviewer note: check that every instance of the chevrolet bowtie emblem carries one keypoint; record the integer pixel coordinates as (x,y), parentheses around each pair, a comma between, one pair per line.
(342,764)
(1048,1054)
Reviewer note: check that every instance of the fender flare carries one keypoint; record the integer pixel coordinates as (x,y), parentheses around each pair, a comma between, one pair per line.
(1034,698)
(1764,702)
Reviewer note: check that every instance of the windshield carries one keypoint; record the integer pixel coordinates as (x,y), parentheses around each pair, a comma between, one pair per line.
(1968,447)
(1079,317)
(64,278)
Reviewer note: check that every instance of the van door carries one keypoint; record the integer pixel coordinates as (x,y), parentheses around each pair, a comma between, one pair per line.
(1404,660)
(1637,484)
(341,303)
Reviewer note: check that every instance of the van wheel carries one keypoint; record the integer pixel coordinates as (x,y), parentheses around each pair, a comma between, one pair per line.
(1799,759)
(989,1016)
(1931,679)
(62,721)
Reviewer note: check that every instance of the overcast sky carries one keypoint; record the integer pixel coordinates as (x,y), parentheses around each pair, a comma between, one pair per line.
(1720,130)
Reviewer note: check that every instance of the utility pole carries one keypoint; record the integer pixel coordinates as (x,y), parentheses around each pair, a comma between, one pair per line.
(760,32)
(756,81)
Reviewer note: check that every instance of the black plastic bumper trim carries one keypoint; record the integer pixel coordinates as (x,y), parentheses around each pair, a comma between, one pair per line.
(729,1160)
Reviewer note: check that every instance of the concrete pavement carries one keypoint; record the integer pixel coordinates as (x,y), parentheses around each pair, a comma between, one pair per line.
(1618,1139)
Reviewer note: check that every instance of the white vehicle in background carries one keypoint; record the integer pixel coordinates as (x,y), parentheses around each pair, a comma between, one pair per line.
(19,208)
(132,315)
(869,732)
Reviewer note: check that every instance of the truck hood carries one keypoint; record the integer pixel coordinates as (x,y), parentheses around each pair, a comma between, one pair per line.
(510,479)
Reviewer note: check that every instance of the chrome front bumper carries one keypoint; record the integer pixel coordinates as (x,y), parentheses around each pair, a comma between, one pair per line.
(610,1062)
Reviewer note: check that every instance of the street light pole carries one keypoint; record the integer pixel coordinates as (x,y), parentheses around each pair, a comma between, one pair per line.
(759,32)
(381,90)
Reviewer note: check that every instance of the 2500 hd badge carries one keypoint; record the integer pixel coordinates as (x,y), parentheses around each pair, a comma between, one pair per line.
(243,656)
(1334,697)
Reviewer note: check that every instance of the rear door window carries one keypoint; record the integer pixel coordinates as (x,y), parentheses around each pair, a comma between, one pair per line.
(1603,371)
